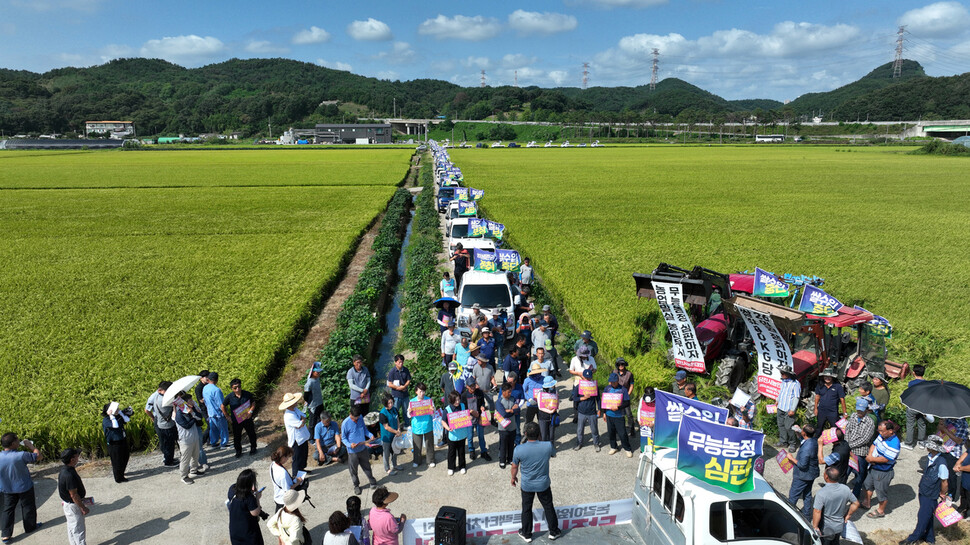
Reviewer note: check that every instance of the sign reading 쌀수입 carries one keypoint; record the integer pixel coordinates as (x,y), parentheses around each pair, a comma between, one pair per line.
(687,351)
(718,454)
(508,260)
(773,351)
(671,408)
(816,301)
(768,285)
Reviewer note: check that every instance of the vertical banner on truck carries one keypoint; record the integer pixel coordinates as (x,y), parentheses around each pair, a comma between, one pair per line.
(773,350)
(670,409)
(718,454)
(687,351)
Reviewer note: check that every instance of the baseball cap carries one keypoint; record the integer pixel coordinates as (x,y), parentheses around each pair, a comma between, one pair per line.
(476,305)
(861,404)
(486,330)
(452,366)
(614,377)
(587,335)
(588,374)
(545,308)
(471,381)
(680,375)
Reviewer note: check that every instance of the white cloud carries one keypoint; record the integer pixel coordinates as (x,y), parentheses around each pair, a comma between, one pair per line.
(461,27)
(517,60)
(312,35)
(116,51)
(263,47)
(941,19)
(627,3)
(336,65)
(183,48)
(480,63)
(533,22)
(389,75)
(558,76)
(370,30)
(400,53)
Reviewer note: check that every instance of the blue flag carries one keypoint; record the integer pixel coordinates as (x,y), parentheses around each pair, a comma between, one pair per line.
(672,408)
(495,230)
(768,285)
(486,261)
(477,194)
(461,193)
(466,208)
(477,227)
(878,325)
(509,260)
(718,454)
(817,302)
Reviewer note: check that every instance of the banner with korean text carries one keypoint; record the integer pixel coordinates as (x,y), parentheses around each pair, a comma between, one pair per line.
(670,409)
(509,260)
(687,351)
(477,227)
(495,230)
(768,285)
(467,208)
(817,302)
(461,193)
(476,194)
(607,513)
(878,325)
(718,454)
(486,261)
(773,350)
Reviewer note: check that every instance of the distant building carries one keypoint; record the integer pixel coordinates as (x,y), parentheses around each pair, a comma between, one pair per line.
(117,129)
(376,133)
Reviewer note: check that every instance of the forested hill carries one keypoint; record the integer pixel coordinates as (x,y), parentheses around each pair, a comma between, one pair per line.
(246,95)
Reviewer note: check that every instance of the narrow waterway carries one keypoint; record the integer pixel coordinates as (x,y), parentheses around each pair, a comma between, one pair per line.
(392,321)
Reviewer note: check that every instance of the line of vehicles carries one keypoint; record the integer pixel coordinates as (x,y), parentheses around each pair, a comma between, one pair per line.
(669,507)
(532,144)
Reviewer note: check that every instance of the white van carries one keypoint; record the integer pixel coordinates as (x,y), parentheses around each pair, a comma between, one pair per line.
(491,291)
(458,232)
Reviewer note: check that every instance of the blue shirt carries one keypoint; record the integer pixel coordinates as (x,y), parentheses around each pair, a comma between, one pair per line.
(529,386)
(421,425)
(213,401)
(788,396)
(888,449)
(829,396)
(943,473)
(460,434)
(14,475)
(533,461)
(487,349)
(510,364)
(316,395)
(461,354)
(626,398)
(355,432)
(327,435)
(391,417)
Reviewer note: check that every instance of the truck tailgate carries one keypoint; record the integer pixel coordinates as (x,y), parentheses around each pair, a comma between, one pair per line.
(618,534)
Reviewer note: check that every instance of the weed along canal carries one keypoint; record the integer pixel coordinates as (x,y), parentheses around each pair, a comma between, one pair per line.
(384,358)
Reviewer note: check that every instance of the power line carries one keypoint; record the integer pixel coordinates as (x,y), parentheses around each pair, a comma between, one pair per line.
(653,71)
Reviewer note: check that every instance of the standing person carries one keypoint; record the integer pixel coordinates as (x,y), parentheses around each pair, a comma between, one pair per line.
(238,408)
(422,429)
(313,396)
(326,437)
(588,411)
(552,321)
(882,460)
(456,437)
(547,417)
(915,421)
(487,350)
(390,428)
(187,420)
(511,363)
(446,313)
(218,425)
(963,465)
(789,395)
(16,485)
(532,459)
(531,386)
(449,341)
(523,330)
(496,326)
(460,258)
(833,506)
(462,351)
(297,434)
(508,407)
(626,382)
(72,493)
(199,397)
(164,422)
(386,527)
(880,392)
(280,476)
(540,334)
(355,436)
(933,488)
(519,396)
(447,381)
(744,415)
(586,339)
(289,524)
(679,385)
(577,367)
(245,511)
(839,457)
(829,395)
(338,531)
(358,377)
(955,430)
(447,286)
(476,401)
(805,471)
(113,425)
(525,276)
(614,418)
(860,430)
(484,374)
(399,382)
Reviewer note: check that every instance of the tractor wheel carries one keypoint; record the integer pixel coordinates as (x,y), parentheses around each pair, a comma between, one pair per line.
(732,371)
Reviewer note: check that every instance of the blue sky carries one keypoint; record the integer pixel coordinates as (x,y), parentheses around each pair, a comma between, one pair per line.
(736,49)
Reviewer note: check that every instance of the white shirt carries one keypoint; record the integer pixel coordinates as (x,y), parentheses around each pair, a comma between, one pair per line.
(579,366)
(296,430)
(282,481)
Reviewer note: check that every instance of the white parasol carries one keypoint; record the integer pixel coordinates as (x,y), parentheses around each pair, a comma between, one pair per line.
(183,384)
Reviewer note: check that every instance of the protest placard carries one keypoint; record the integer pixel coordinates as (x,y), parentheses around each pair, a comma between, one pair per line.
(460,419)
(828,437)
(243,411)
(612,401)
(502,421)
(484,419)
(421,408)
(548,401)
(947,514)
(647,414)
(771,408)
(588,388)
(784,463)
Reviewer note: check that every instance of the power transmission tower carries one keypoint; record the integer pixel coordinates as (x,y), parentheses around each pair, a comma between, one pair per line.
(898,62)
(516,78)
(483,78)
(585,74)
(653,73)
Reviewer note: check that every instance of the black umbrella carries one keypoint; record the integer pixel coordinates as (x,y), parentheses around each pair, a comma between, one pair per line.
(939,398)
(439,303)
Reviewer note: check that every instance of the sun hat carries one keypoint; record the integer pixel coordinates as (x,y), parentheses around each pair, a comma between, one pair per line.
(548,382)
(317,367)
(292,499)
(545,308)
(620,361)
(583,351)
(371,418)
(827,372)
(934,442)
(290,399)
(383,496)
(536,369)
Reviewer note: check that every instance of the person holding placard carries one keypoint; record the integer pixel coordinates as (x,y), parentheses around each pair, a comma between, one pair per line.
(587,409)
(615,400)
(421,411)
(531,387)
(805,471)
(626,382)
(932,489)
(476,401)
(548,405)
(238,407)
(506,422)
(457,423)
(859,433)
(581,361)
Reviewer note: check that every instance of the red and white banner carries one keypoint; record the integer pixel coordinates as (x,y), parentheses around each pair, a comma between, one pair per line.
(687,351)
(608,513)
(773,350)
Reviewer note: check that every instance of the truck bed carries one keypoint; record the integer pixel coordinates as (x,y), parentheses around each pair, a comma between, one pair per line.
(619,534)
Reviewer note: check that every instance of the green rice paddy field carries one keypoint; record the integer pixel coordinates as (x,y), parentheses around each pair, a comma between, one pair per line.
(886,230)
(107,291)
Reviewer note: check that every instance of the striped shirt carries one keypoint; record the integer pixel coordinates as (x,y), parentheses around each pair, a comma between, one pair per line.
(789,395)
(958,427)
(888,449)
